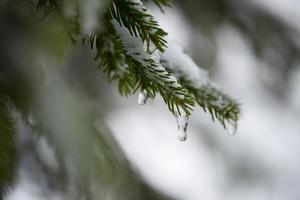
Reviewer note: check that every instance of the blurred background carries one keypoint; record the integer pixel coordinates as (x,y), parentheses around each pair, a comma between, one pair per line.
(77,138)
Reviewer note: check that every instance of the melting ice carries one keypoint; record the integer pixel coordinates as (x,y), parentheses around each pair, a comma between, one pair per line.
(231,127)
(143,96)
(182,123)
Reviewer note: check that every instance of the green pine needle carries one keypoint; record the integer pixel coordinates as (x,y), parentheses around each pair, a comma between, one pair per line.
(7,145)
(139,22)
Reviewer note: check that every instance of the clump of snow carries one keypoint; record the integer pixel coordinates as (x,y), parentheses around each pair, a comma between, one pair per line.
(133,45)
(180,62)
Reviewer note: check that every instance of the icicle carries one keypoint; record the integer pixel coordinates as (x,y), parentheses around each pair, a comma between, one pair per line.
(143,96)
(182,123)
(231,127)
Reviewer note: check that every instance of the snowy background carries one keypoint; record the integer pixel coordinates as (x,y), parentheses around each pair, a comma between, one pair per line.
(260,162)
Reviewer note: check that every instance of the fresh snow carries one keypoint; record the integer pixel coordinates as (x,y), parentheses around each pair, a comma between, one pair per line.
(183,64)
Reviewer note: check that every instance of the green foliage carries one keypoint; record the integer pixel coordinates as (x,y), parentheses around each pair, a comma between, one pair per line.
(132,74)
(219,105)
(7,145)
(113,59)
(118,63)
(136,18)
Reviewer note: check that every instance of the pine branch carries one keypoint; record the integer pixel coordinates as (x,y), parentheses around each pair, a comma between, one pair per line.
(113,61)
(138,69)
(220,106)
(195,79)
(154,78)
(135,17)
(7,145)
(135,71)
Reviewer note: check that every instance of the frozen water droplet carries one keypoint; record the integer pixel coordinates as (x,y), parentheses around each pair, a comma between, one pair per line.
(231,127)
(182,135)
(182,123)
(143,96)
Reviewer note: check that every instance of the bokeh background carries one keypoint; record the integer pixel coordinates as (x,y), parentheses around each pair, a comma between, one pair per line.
(82,140)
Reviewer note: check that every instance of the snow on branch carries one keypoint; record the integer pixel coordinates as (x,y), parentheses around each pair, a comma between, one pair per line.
(132,49)
(205,93)
(153,77)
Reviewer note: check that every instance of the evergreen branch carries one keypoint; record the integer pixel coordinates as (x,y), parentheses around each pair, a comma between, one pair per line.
(7,145)
(152,75)
(135,72)
(192,77)
(219,105)
(135,17)
(154,78)
(113,61)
